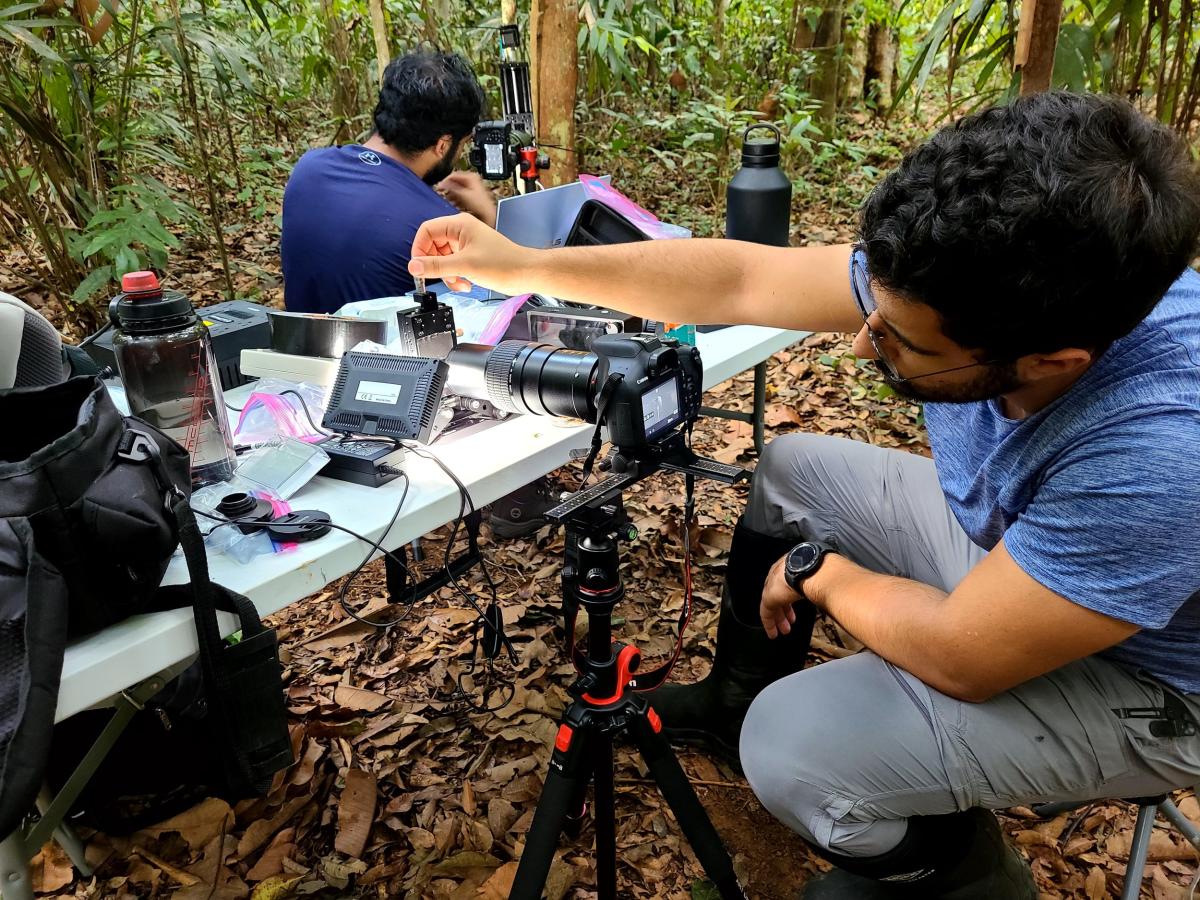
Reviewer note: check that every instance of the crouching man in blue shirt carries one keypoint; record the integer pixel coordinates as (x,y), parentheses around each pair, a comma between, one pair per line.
(350,213)
(1030,597)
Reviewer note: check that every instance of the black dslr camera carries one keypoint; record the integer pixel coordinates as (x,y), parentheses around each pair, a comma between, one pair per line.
(645,388)
(499,152)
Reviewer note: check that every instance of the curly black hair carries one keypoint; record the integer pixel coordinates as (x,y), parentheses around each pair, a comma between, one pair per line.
(1057,221)
(426,94)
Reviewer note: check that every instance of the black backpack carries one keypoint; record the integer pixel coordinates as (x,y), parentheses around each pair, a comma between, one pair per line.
(93,506)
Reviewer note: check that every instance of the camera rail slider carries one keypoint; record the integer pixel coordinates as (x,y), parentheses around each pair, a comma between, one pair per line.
(678,459)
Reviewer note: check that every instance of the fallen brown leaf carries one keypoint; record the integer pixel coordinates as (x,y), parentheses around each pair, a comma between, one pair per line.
(356,812)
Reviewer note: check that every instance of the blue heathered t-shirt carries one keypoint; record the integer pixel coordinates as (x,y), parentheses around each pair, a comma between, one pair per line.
(349,219)
(1097,496)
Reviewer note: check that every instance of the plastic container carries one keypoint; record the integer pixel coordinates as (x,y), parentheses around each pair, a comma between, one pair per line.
(171,380)
(758,201)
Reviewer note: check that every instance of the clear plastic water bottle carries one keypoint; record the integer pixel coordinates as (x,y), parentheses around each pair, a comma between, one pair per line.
(171,380)
(758,201)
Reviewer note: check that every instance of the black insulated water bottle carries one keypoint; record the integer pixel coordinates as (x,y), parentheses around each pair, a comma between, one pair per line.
(758,201)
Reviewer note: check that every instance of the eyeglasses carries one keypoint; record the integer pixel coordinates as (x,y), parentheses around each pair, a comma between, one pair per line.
(864,297)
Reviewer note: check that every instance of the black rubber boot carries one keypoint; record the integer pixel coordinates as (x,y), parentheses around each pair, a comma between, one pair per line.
(709,713)
(961,856)
(523,512)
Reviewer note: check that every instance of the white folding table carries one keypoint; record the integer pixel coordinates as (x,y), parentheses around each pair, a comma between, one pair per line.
(126,663)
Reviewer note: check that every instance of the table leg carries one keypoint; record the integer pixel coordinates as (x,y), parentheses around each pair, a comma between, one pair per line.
(15,880)
(756,417)
(65,837)
(760,404)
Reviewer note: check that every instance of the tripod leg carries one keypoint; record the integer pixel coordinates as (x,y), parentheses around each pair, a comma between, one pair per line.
(570,765)
(697,827)
(577,809)
(605,817)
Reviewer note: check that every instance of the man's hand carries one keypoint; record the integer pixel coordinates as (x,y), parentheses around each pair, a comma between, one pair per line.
(776,610)
(463,251)
(467,191)
(998,628)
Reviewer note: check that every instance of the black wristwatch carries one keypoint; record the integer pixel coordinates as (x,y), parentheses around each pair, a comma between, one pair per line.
(802,561)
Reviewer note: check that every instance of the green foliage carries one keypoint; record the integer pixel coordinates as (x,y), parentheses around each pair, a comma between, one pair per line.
(1144,49)
(188,125)
(128,235)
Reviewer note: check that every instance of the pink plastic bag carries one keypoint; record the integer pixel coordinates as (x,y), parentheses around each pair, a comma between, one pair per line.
(645,221)
(501,318)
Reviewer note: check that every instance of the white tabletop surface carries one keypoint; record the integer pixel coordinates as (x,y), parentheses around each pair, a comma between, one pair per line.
(491,460)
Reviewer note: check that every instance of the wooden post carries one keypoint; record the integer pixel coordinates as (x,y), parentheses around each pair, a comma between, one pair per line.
(554,30)
(827,45)
(1037,37)
(379,29)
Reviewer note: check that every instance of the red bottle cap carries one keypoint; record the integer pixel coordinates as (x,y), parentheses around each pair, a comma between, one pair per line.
(140,283)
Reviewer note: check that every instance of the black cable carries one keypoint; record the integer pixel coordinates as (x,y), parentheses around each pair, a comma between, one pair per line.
(466,503)
(307,412)
(508,688)
(375,547)
(366,559)
(303,403)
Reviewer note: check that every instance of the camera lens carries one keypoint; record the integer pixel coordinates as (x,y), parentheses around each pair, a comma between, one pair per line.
(526,378)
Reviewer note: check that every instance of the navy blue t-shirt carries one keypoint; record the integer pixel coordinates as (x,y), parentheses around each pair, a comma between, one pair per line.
(349,219)
(1097,496)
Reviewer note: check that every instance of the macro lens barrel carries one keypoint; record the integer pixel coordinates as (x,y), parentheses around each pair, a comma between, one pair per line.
(521,377)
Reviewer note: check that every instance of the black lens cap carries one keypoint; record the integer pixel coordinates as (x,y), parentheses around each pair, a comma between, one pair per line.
(300,525)
(246,511)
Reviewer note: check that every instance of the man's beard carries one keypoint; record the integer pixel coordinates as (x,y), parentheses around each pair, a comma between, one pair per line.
(442,167)
(991,382)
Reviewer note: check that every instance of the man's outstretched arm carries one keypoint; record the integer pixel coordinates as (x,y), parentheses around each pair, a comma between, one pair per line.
(697,281)
(997,629)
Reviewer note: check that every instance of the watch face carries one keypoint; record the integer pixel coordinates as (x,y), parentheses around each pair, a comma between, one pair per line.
(803,556)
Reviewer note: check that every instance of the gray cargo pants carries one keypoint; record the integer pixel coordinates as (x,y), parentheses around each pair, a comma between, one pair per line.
(845,751)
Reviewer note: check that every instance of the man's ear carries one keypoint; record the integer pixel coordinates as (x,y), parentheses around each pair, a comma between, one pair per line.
(443,145)
(1036,366)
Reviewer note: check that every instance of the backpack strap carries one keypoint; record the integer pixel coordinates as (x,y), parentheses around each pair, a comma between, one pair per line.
(227,685)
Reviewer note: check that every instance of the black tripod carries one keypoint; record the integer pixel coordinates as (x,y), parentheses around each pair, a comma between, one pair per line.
(606,707)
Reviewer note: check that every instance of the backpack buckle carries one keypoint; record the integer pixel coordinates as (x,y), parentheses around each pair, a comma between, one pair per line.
(138,447)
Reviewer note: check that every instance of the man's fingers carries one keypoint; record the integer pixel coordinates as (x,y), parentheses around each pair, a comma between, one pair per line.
(441,236)
(438,267)
(427,267)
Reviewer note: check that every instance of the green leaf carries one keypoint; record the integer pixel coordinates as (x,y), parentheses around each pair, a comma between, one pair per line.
(705,890)
(1072,57)
(116,236)
(125,261)
(258,11)
(36,44)
(927,52)
(97,279)
(16,10)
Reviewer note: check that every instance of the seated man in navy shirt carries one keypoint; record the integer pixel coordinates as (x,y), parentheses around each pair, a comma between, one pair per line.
(1029,599)
(350,213)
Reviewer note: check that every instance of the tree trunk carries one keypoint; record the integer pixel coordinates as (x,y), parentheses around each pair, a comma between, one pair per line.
(879,80)
(1037,36)
(345,101)
(553,54)
(803,34)
(827,48)
(379,30)
(719,9)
